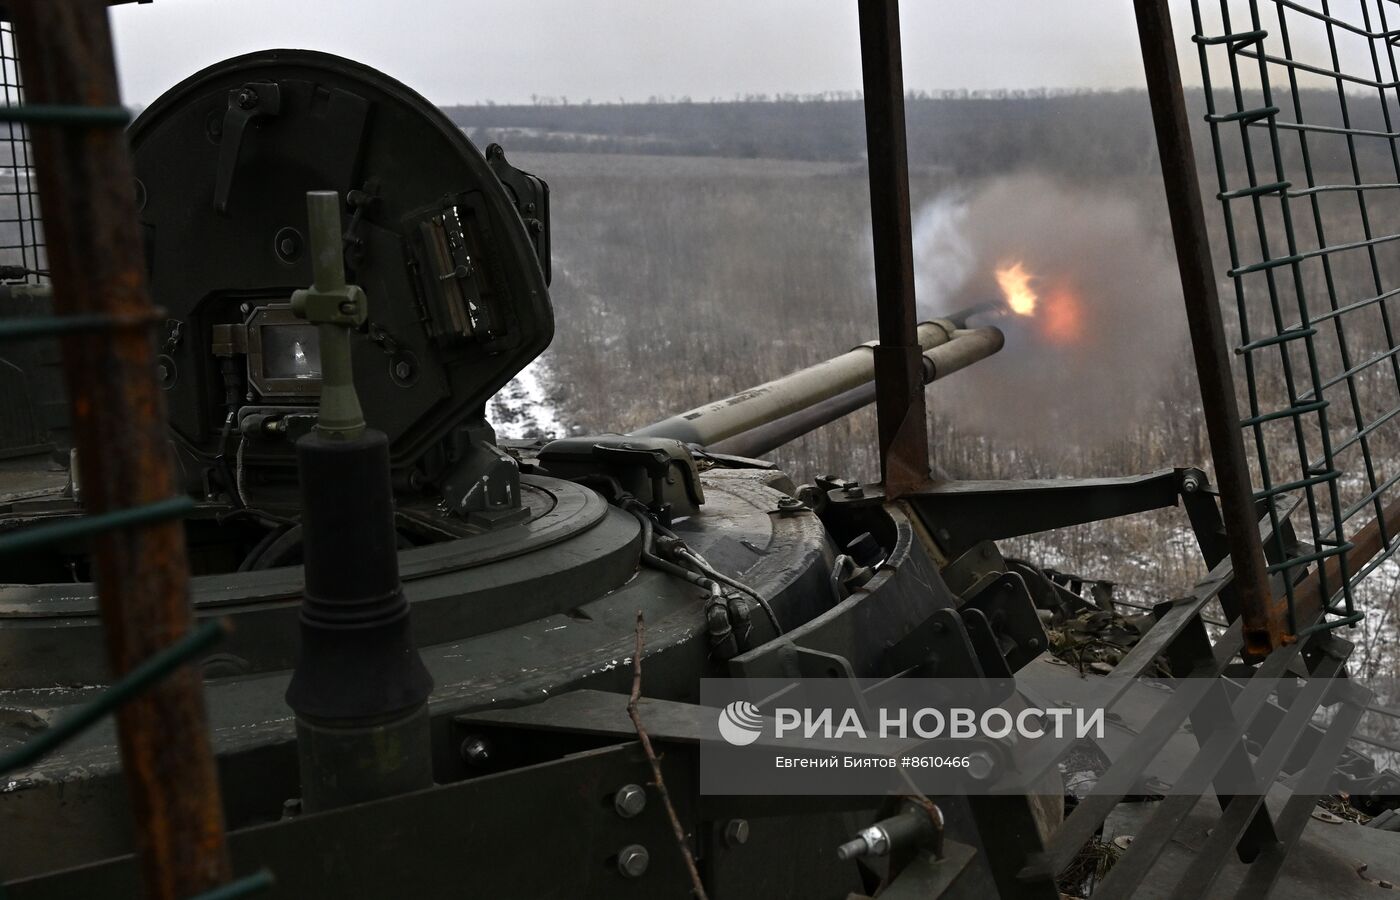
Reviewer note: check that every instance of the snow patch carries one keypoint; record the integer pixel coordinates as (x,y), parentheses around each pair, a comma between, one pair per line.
(523,409)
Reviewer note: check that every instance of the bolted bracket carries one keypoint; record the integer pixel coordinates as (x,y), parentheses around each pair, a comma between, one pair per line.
(252,101)
(335,307)
(344,307)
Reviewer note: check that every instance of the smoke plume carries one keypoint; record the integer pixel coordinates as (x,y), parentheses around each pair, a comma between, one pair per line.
(1107,338)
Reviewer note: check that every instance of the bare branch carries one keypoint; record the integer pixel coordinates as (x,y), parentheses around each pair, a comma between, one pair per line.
(697,888)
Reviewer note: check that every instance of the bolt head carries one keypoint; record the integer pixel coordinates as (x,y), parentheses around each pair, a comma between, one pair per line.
(736,832)
(980,765)
(403,370)
(630,800)
(790,505)
(475,751)
(632,861)
(247,99)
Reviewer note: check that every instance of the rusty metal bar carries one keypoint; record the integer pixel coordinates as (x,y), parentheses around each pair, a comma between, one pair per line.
(1264,622)
(97,265)
(899,382)
(1311,596)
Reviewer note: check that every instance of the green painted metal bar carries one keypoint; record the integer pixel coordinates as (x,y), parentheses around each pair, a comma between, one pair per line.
(1310,481)
(48,326)
(134,682)
(1329,624)
(1265,265)
(1325,251)
(87,526)
(1322,16)
(1242,39)
(1299,561)
(1335,188)
(1244,115)
(1270,59)
(247,886)
(1330,129)
(1288,334)
(1290,412)
(1277,187)
(63,114)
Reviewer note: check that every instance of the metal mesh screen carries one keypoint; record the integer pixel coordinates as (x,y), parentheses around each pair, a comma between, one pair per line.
(21,236)
(1303,111)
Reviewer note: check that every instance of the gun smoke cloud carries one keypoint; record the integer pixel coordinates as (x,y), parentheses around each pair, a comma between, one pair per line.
(1095,334)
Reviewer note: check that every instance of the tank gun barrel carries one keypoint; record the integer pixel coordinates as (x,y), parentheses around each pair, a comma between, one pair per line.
(967,347)
(758,419)
(960,317)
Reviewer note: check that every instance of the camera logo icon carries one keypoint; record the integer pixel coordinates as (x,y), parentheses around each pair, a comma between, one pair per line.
(740,723)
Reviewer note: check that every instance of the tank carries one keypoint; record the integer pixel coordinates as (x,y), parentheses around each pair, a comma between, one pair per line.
(524,565)
(434,636)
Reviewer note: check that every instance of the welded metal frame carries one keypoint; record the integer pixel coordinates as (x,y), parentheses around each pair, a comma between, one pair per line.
(901,413)
(1272,112)
(1004,821)
(97,261)
(18,206)
(1265,628)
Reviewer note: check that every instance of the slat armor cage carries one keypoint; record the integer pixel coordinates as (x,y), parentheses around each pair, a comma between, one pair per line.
(21,234)
(24,423)
(1302,101)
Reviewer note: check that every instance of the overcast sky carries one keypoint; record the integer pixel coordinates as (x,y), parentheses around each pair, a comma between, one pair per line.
(470,51)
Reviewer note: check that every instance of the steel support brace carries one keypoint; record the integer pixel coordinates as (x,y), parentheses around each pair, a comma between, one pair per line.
(1243,809)
(962,513)
(1259,881)
(1264,620)
(899,381)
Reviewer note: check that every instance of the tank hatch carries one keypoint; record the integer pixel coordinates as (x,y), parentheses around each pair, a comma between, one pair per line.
(450,245)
